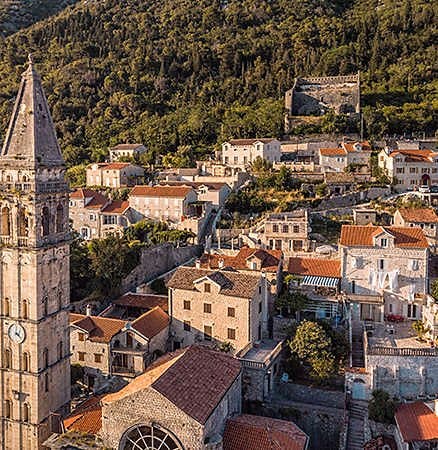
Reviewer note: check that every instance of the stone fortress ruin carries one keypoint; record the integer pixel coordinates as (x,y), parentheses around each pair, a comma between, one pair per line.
(316,96)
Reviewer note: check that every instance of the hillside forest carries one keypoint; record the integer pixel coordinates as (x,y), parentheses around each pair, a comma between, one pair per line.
(183,76)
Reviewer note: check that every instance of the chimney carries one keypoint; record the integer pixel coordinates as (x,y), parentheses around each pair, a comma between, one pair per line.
(198,264)
(221,263)
(88,310)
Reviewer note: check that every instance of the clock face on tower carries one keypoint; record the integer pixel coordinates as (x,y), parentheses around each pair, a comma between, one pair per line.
(17,333)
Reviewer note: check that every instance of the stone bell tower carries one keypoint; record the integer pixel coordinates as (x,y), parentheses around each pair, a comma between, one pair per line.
(34,273)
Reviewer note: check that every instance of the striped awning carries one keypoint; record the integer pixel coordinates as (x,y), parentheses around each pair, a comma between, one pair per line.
(311,280)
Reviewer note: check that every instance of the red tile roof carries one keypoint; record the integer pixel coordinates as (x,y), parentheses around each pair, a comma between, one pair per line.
(362,236)
(250,141)
(270,259)
(195,385)
(116,165)
(349,146)
(415,155)
(97,199)
(332,151)
(151,323)
(195,184)
(315,266)
(142,301)
(160,191)
(99,329)
(116,207)
(416,422)
(262,433)
(87,417)
(420,215)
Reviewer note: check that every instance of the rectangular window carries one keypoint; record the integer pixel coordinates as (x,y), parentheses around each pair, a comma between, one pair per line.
(186,304)
(97,358)
(231,333)
(207,308)
(260,307)
(384,242)
(275,228)
(81,337)
(207,287)
(296,228)
(353,287)
(381,264)
(208,332)
(81,356)
(231,312)
(187,326)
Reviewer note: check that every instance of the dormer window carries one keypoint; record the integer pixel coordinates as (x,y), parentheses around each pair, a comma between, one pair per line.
(207,287)
(384,242)
(254,265)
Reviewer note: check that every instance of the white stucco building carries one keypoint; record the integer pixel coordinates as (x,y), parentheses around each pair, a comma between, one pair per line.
(242,152)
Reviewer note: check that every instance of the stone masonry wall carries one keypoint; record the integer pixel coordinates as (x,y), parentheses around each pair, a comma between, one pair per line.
(158,260)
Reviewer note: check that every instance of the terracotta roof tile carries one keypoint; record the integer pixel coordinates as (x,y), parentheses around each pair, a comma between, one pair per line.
(270,259)
(194,383)
(415,155)
(332,151)
(160,191)
(151,323)
(87,417)
(195,184)
(234,284)
(349,146)
(115,166)
(97,199)
(416,422)
(421,215)
(250,141)
(142,301)
(315,266)
(262,433)
(116,207)
(362,236)
(100,329)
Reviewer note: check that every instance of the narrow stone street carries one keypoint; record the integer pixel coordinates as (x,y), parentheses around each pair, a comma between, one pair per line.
(357,350)
(355,437)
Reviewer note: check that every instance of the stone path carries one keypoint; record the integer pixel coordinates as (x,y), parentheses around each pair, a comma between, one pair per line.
(355,437)
(357,350)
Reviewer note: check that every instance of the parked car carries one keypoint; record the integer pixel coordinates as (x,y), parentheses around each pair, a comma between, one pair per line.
(424,188)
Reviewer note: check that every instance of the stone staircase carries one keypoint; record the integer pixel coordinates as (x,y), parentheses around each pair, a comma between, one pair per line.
(358,412)
(357,350)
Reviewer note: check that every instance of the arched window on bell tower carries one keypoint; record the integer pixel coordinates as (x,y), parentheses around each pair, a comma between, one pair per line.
(7,362)
(22,223)
(8,409)
(26,362)
(26,412)
(6,307)
(45,306)
(59,218)
(60,350)
(25,310)
(45,221)
(5,222)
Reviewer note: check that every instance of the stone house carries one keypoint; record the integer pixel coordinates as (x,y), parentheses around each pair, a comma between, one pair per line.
(93,215)
(242,152)
(384,270)
(215,193)
(163,203)
(340,183)
(364,216)
(409,169)
(106,347)
(417,425)
(114,175)
(182,402)
(132,151)
(268,262)
(337,159)
(288,232)
(217,306)
(425,218)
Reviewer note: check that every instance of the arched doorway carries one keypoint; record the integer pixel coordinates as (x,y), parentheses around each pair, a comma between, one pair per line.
(144,437)
(425,180)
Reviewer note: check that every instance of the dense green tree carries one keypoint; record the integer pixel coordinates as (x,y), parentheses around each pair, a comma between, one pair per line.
(381,407)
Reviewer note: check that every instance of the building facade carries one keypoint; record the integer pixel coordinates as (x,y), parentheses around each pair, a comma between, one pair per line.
(214,307)
(114,175)
(384,270)
(35,276)
(409,169)
(122,151)
(242,152)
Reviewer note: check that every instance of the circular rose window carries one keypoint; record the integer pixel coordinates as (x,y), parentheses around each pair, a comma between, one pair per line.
(143,437)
